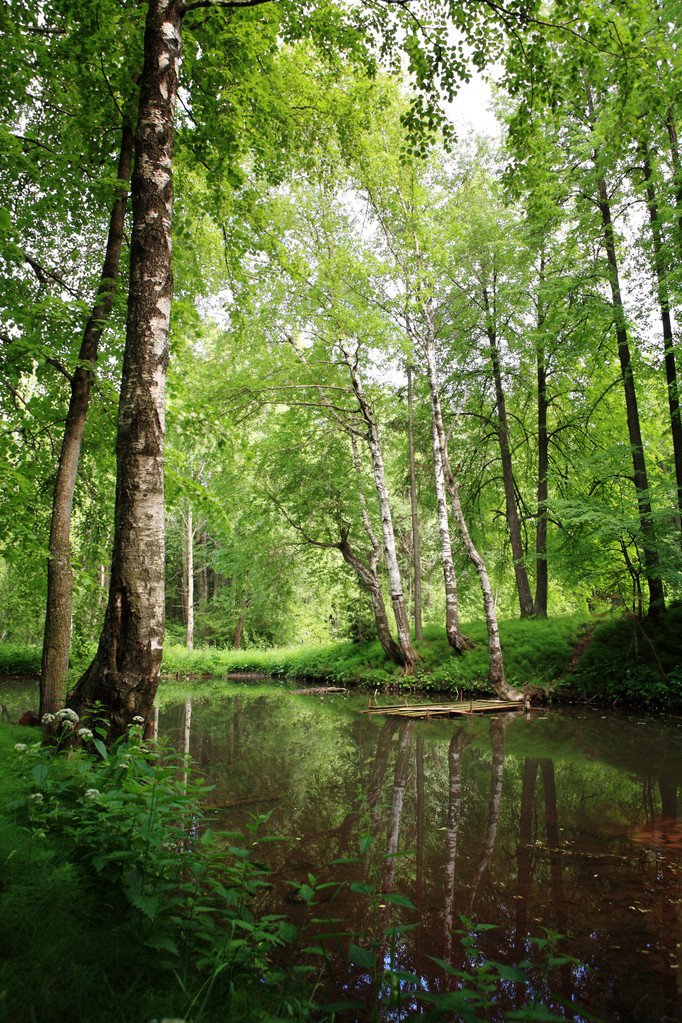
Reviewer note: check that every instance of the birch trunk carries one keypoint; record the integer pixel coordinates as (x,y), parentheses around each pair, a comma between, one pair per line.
(409,654)
(190,581)
(369,578)
(368,573)
(457,640)
(59,606)
(496,677)
(416,556)
(124,675)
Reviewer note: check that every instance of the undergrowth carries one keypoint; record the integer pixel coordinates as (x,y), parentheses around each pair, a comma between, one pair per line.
(633,661)
(117,904)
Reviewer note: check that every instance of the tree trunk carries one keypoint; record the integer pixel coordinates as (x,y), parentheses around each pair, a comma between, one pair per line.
(651,565)
(496,677)
(646,524)
(541,578)
(409,654)
(502,430)
(369,578)
(190,581)
(58,613)
(666,323)
(456,638)
(124,675)
(416,557)
(202,571)
(237,641)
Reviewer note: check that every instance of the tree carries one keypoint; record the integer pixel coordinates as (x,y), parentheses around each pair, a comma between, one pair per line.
(579,87)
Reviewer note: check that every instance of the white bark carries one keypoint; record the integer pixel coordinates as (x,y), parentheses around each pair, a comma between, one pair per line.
(190,581)
(496,670)
(390,553)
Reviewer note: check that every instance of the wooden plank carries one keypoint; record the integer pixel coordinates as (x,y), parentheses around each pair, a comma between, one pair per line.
(459,708)
(319,691)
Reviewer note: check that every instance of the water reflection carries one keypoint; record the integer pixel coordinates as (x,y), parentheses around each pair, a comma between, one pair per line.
(567,821)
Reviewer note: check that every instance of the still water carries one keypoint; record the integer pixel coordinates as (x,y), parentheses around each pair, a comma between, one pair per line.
(564,821)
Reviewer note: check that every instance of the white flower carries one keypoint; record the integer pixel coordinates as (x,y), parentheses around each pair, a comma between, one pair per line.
(68,725)
(37,797)
(48,719)
(20,747)
(137,720)
(92,793)
(67,714)
(84,733)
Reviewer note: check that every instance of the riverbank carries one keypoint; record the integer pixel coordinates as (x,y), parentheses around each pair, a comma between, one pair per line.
(575,658)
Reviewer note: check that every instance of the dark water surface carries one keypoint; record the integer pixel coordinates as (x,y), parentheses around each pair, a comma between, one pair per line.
(566,821)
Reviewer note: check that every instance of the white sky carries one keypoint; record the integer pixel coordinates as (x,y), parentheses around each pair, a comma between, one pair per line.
(471,108)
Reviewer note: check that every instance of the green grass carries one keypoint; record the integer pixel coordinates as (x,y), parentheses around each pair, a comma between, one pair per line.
(534,651)
(637,663)
(632,661)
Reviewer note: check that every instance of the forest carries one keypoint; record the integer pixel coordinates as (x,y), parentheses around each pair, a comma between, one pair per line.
(314,365)
(395,372)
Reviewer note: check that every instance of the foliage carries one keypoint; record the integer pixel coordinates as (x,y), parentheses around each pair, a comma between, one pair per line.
(142,871)
(19,659)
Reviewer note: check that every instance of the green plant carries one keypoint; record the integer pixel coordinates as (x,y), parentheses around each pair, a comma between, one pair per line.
(135,834)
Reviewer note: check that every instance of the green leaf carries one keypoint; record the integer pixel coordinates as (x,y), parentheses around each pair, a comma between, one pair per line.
(510,973)
(101,748)
(398,900)
(40,773)
(361,888)
(362,957)
(163,943)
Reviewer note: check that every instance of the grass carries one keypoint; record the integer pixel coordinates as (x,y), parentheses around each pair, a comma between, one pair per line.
(635,662)
(534,651)
(639,663)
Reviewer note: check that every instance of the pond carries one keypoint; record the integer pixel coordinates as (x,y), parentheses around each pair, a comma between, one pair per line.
(564,821)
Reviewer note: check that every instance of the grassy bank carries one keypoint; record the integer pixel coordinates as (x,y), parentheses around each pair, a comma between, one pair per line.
(534,652)
(602,660)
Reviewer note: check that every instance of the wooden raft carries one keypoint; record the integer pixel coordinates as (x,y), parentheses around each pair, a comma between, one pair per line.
(430,710)
(319,691)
